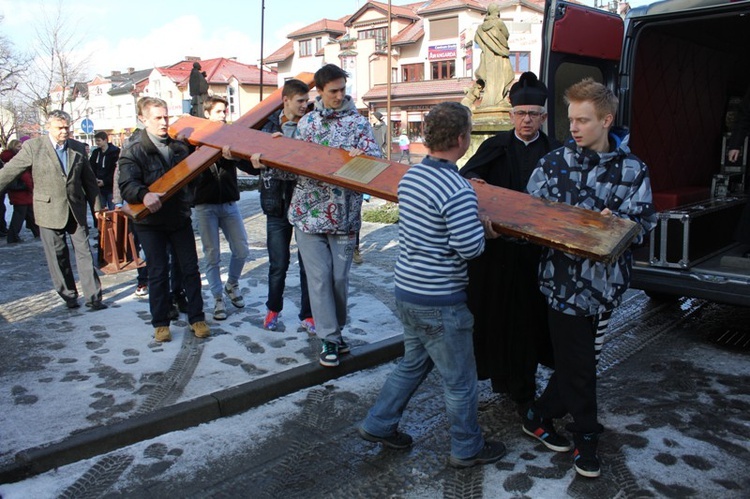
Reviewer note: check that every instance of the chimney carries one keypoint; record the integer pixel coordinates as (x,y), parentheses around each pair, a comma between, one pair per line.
(130,71)
(116,73)
(192,58)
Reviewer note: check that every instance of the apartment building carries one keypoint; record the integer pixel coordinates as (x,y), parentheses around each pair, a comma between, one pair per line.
(110,101)
(433,55)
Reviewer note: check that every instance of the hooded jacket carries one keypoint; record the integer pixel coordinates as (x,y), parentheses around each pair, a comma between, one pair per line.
(104,164)
(319,207)
(617,180)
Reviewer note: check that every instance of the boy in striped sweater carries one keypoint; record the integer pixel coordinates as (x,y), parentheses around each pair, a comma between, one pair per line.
(439,230)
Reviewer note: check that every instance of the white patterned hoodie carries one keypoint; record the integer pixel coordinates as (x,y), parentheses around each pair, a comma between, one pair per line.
(319,207)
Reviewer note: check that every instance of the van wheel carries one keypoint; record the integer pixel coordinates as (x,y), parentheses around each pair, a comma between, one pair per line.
(661,297)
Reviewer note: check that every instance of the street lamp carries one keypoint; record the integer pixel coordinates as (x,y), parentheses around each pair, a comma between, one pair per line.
(262,26)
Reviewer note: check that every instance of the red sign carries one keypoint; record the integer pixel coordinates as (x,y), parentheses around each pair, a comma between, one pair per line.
(442,52)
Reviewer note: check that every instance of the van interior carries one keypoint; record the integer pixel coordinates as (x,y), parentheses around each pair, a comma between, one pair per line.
(685,68)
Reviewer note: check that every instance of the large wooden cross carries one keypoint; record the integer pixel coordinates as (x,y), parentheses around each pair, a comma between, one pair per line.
(556,225)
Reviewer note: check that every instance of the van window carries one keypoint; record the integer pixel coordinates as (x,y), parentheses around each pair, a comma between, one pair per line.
(567,74)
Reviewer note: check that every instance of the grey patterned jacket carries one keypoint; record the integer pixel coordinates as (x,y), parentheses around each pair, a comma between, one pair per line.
(617,180)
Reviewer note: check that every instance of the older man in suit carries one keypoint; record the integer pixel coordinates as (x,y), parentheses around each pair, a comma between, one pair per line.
(63,183)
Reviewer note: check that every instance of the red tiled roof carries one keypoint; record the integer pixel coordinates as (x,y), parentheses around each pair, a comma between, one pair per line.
(407,11)
(427,89)
(218,71)
(285,52)
(322,26)
(443,5)
(410,34)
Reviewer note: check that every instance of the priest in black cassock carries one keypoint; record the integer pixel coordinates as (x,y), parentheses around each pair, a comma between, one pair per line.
(511,336)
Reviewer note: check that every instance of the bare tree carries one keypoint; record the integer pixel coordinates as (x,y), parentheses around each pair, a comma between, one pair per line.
(57,63)
(12,67)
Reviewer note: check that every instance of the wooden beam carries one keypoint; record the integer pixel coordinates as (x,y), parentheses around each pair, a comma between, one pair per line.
(557,225)
(189,168)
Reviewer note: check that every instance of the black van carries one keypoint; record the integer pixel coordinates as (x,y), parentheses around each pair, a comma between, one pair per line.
(680,68)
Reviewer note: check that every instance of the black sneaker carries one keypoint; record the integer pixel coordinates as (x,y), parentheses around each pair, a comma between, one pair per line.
(544,431)
(329,354)
(343,347)
(396,441)
(585,460)
(96,305)
(490,453)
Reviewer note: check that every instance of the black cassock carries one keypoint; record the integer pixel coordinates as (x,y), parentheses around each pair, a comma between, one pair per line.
(511,335)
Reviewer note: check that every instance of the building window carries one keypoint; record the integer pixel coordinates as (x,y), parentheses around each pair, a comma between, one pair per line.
(443,70)
(520,61)
(412,72)
(395,130)
(230,98)
(414,131)
(442,29)
(318,44)
(305,49)
(379,34)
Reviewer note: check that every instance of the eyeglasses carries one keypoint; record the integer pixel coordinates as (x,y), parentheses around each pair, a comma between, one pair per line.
(530,114)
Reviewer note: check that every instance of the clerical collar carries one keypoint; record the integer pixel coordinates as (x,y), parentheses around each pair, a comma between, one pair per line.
(527,142)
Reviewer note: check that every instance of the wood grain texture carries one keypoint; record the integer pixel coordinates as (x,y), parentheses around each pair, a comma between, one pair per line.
(185,171)
(556,225)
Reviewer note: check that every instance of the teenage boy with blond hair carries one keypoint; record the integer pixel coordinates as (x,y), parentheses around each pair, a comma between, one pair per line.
(594,170)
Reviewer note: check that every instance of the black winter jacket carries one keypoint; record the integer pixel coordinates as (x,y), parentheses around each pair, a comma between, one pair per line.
(141,165)
(217,184)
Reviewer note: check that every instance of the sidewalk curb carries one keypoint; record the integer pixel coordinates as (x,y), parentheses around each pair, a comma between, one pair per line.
(183,415)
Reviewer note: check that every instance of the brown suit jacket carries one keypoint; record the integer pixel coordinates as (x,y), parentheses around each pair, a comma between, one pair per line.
(55,194)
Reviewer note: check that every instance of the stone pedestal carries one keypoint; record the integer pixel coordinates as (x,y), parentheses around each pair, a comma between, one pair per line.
(486,122)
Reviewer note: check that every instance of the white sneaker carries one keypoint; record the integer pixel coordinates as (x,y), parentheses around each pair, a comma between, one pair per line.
(220,312)
(233,292)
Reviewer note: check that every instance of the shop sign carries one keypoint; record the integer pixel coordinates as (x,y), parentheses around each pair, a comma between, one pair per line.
(436,52)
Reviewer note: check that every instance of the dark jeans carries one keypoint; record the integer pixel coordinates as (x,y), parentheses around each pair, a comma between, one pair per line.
(572,387)
(279,236)
(156,244)
(175,276)
(22,213)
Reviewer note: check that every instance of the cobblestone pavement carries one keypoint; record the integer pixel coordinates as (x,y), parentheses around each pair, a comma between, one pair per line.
(675,403)
(70,370)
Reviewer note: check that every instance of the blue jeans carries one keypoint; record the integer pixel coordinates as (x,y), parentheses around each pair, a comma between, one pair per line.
(439,337)
(227,217)
(105,196)
(279,236)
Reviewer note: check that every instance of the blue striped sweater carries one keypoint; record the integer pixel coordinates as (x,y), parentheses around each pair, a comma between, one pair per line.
(439,230)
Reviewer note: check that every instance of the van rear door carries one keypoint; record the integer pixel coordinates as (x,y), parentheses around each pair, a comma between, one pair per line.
(578,42)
